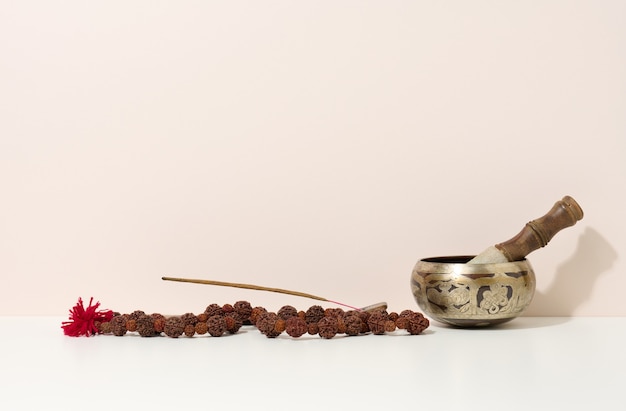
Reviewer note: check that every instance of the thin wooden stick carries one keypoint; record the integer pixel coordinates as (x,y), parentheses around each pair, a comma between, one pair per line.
(256,287)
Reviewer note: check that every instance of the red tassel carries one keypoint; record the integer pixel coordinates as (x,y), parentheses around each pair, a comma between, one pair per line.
(83,321)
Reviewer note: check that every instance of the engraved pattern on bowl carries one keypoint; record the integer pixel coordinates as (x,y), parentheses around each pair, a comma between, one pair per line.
(453,292)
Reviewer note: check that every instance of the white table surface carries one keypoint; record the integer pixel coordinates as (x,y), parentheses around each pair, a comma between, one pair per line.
(540,363)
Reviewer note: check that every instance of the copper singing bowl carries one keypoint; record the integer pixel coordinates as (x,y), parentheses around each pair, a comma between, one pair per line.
(472,295)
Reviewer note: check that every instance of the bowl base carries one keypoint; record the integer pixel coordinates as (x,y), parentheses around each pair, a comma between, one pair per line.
(473,323)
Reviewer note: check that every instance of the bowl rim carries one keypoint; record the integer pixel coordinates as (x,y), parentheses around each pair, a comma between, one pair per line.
(461,259)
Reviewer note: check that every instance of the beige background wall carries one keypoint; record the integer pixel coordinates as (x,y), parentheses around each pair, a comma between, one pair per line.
(322,146)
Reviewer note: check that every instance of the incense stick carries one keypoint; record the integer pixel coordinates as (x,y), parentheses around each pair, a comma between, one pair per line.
(256,287)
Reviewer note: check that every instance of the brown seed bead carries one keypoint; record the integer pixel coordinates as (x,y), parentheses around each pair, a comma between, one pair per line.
(353,324)
(216,326)
(189,319)
(393,316)
(213,309)
(159,325)
(105,328)
(244,309)
(377,322)
(227,308)
(417,323)
(118,325)
(256,313)
(296,327)
(174,327)
(365,316)
(145,326)
(201,328)
(287,311)
(202,317)
(266,324)
(405,313)
(229,322)
(327,327)
(341,325)
(390,326)
(234,314)
(189,330)
(131,325)
(402,320)
(159,321)
(135,315)
(302,315)
(314,314)
(312,328)
(233,322)
(279,327)
(334,312)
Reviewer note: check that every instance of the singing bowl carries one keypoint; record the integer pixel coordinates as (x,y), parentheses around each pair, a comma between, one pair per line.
(472,295)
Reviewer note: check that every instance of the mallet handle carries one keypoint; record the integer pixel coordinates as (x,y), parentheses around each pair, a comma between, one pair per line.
(537,233)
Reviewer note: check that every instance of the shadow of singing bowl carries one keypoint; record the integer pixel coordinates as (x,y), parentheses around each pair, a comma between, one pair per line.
(472,295)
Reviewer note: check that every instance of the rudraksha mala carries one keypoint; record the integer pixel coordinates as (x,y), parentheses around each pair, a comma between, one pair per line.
(218,320)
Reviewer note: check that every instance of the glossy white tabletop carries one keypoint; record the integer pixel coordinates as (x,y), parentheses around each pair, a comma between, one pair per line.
(529,363)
